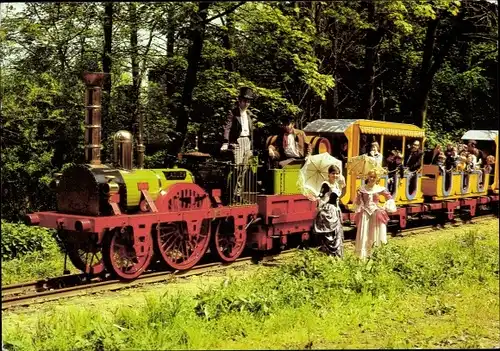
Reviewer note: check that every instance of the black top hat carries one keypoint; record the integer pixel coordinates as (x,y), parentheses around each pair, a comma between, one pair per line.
(287,120)
(246,93)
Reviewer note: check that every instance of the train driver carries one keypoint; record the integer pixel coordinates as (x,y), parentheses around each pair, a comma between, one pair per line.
(238,134)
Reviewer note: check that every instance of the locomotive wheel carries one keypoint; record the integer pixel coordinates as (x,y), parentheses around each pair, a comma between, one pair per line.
(83,253)
(226,245)
(178,249)
(120,256)
(182,197)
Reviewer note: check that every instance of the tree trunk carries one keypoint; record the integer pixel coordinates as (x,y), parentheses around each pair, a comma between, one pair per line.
(136,85)
(332,110)
(226,42)
(170,50)
(431,63)
(373,40)
(134,53)
(194,54)
(106,68)
(106,57)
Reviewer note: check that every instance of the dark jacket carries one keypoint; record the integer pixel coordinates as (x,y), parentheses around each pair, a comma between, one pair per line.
(413,161)
(232,128)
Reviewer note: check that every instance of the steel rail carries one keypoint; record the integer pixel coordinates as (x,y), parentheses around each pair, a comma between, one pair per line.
(29,293)
(20,295)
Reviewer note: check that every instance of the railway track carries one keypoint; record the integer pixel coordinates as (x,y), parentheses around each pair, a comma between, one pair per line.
(29,293)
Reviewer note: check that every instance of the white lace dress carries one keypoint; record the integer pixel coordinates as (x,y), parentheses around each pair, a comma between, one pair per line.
(371,219)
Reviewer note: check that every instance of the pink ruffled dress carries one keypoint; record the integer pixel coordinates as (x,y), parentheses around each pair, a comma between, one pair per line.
(371,219)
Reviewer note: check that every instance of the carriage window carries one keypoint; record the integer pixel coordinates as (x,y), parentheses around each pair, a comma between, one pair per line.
(339,147)
(365,142)
(391,144)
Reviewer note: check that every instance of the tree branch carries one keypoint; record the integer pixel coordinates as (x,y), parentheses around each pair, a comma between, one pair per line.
(228,11)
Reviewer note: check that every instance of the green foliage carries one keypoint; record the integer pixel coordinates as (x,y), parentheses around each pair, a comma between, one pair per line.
(20,239)
(312,278)
(406,295)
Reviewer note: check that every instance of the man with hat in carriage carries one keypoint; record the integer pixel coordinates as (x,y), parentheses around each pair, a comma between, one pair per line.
(290,145)
(238,136)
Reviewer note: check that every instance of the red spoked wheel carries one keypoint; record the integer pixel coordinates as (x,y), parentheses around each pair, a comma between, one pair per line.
(182,197)
(180,249)
(227,243)
(124,257)
(84,254)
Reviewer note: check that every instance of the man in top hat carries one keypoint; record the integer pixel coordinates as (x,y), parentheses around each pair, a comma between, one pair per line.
(238,134)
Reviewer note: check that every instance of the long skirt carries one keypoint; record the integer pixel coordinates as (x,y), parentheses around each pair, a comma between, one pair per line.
(328,226)
(371,232)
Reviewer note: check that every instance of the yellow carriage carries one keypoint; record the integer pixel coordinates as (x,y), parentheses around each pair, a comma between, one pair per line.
(453,184)
(487,141)
(352,137)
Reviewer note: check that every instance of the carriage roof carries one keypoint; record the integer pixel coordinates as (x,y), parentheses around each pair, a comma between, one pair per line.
(366,126)
(480,135)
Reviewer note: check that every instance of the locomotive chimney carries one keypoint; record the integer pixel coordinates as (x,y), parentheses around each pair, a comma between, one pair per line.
(93,81)
(122,149)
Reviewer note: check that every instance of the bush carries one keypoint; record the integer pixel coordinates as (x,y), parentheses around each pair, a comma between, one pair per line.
(19,239)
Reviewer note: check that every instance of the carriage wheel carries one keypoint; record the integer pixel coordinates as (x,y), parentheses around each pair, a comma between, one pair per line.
(178,248)
(85,255)
(226,245)
(121,258)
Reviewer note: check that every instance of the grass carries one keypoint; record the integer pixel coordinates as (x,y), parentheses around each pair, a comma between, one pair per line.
(33,266)
(436,290)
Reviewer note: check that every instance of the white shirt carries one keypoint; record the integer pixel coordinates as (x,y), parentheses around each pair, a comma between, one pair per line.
(291,148)
(245,130)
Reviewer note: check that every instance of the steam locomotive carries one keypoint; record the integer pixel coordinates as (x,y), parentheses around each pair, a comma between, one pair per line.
(119,219)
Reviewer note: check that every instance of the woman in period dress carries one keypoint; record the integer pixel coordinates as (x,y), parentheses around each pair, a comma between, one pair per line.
(328,221)
(371,219)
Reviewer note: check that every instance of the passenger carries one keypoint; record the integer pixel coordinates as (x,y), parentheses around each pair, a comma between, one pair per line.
(371,220)
(414,160)
(375,154)
(389,159)
(477,158)
(290,145)
(470,163)
(449,149)
(328,221)
(452,159)
(435,154)
(394,165)
(480,156)
(462,161)
(441,163)
(363,145)
(238,135)
(343,152)
(490,164)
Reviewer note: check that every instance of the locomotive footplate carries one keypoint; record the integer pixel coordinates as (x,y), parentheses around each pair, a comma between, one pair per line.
(99,225)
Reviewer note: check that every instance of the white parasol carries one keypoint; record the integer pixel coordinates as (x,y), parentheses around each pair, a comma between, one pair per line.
(315,172)
(361,165)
